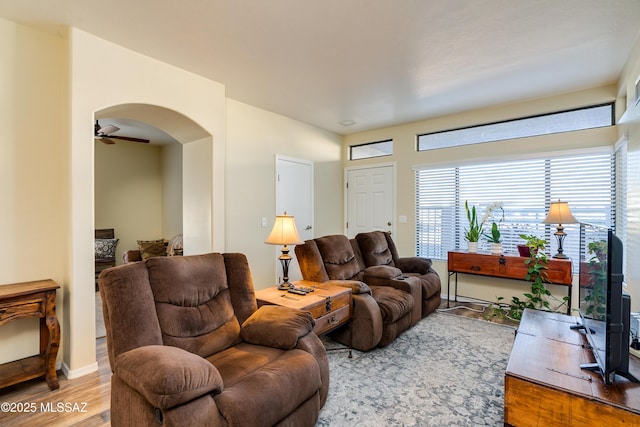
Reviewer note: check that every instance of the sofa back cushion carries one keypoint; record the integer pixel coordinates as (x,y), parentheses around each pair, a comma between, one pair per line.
(339,260)
(193,303)
(310,262)
(375,249)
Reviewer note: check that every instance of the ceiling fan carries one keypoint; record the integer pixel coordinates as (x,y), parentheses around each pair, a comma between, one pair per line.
(103,133)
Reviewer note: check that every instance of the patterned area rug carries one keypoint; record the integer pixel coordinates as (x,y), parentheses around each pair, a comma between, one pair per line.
(446,371)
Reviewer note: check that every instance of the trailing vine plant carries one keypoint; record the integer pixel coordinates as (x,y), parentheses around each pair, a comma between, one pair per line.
(539,297)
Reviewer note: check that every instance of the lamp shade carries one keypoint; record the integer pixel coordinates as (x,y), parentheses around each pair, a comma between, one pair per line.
(284,231)
(559,213)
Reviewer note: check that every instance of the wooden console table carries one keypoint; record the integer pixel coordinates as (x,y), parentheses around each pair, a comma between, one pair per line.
(544,385)
(25,301)
(506,267)
(330,305)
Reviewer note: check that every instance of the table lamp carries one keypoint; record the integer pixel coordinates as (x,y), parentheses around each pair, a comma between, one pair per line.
(284,233)
(559,213)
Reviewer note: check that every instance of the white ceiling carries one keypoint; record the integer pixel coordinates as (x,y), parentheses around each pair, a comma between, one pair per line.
(376,62)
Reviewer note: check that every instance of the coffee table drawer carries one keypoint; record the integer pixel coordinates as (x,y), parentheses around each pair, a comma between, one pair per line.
(332,320)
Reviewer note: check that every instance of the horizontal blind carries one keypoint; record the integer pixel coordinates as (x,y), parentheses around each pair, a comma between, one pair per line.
(524,189)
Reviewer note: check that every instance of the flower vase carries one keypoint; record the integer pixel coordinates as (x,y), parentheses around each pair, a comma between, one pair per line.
(496,248)
(472,247)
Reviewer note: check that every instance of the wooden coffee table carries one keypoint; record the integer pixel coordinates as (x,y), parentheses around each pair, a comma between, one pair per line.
(330,305)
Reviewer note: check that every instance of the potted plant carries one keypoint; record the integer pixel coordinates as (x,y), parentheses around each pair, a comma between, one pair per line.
(494,236)
(473,233)
(494,239)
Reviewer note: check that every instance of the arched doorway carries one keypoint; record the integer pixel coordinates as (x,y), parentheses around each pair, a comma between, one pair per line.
(139,189)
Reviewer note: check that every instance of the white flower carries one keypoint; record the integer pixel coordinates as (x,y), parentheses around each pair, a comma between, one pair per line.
(488,213)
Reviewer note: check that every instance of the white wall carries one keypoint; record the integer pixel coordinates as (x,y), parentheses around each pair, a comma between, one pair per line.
(32,171)
(172,171)
(630,130)
(254,137)
(129,192)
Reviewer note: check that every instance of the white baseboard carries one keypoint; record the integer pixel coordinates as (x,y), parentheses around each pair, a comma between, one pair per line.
(77,373)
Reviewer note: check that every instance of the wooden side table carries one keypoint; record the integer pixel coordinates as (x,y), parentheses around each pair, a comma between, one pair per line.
(330,305)
(507,267)
(25,301)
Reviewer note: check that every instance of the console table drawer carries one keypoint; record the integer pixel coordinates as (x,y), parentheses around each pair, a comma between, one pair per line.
(21,310)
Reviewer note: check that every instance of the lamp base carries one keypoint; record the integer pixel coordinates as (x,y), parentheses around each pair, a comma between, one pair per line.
(285,286)
(560,256)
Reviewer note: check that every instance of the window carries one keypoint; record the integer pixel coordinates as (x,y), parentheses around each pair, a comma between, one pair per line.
(371,149)
(525,188)
(582,118)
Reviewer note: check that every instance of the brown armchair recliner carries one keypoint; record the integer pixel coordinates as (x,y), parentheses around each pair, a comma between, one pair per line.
(188,346)
(378,248)
(383,305)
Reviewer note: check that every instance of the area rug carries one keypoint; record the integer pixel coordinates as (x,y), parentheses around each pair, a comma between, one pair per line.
(445,371)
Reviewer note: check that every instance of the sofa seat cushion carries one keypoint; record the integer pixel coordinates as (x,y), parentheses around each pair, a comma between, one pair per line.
(276,382)
(393,302)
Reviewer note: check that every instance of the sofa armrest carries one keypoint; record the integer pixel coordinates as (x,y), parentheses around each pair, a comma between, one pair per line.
(357,287)
(277,326)
(167,376)
(384,275)
(416,265)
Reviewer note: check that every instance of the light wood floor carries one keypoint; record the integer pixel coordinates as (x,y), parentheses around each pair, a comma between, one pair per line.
(84,401)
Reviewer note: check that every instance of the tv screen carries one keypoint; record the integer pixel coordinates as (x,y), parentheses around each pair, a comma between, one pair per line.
(604,307)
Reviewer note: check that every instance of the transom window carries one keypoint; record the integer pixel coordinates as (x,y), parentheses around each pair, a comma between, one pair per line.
(371,149)
(564,121)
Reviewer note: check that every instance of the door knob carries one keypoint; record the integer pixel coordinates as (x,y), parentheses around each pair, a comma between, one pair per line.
(389,223)
(308,227)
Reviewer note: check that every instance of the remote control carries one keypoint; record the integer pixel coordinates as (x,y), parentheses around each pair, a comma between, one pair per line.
(302,288)
(297,292)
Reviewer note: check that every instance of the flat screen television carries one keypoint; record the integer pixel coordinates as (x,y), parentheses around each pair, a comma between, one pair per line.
(605,308)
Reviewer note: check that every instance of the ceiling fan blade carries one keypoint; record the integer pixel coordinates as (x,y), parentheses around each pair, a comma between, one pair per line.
(106,130)
(129,138)
(106,141)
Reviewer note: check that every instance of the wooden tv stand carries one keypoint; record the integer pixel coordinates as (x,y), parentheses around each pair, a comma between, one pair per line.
(544,385)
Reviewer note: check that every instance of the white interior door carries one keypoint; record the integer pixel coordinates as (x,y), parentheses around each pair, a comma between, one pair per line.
(370,199)
(294,194)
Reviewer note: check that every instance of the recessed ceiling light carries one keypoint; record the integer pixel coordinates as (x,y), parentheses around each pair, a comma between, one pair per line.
(347,122)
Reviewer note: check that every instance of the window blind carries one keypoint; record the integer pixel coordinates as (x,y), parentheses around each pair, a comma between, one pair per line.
(524,189)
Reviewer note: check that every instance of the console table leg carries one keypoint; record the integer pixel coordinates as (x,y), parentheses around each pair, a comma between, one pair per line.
(50,341)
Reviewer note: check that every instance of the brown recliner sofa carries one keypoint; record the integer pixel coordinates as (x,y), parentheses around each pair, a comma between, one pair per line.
(188,346)
(378,248)
(384,305)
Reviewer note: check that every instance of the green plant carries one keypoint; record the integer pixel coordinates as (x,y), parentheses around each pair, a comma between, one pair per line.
(494,237)
(596,299)
(473,233)
(539,296)
(495,311)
